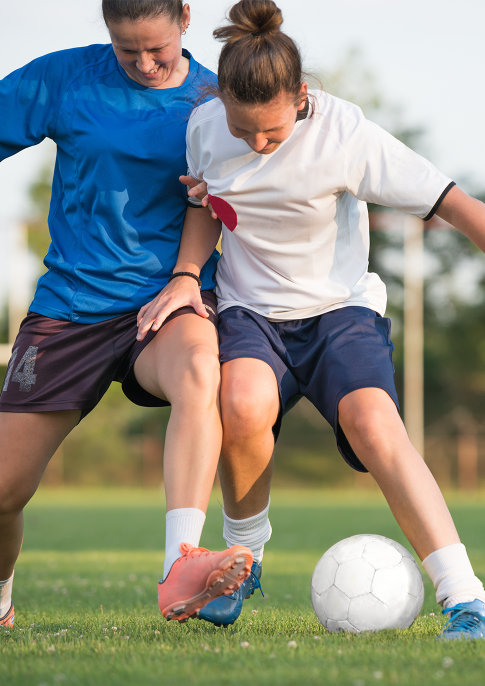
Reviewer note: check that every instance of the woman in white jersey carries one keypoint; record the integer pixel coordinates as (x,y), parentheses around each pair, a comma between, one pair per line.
(289,173)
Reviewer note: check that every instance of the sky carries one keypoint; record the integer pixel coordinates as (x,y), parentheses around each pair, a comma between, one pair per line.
(427,56)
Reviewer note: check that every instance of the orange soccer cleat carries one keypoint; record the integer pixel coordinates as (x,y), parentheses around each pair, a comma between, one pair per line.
(199,576)
(8,619)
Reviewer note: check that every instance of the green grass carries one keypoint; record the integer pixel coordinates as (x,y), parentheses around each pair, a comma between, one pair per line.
(85,595)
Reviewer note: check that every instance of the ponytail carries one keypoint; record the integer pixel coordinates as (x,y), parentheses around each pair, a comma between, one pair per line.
(258,61)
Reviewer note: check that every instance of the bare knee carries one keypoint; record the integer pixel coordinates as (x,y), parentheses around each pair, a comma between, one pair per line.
(247,413)
(200,376)
(14,497)
(189,380)
(373,428)
(27,442)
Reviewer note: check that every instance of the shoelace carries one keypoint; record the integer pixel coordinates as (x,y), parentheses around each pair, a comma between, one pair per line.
(462,620)
(255,582)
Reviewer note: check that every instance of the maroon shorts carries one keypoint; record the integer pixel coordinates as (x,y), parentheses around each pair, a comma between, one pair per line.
(62,365)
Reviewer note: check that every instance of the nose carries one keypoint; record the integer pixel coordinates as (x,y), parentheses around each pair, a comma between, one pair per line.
(144,62)
(257,141)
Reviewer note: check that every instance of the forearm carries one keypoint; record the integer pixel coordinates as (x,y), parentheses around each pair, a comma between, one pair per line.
(199,238)
(466,214)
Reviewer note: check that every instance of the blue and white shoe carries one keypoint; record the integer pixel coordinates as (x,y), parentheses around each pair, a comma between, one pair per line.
(467,621)
(224,610)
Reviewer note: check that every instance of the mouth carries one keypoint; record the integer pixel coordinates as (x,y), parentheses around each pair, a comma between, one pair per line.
(152,73)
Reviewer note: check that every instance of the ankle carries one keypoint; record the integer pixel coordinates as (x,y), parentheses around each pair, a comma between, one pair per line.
(5,595)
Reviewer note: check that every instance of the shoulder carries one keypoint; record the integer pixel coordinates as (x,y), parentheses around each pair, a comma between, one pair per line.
(200,78)
(208,113)
(199,70)
(334,111)
(82,56)
(66,65)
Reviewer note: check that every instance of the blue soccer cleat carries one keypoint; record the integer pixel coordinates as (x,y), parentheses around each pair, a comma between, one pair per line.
(226,609)
(467,621)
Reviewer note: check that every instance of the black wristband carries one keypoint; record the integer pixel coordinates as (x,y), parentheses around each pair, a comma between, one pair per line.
(194,276)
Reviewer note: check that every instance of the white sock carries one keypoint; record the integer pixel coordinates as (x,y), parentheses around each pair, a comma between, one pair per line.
(452,575)
(5,595)
(252,532)
(183,525)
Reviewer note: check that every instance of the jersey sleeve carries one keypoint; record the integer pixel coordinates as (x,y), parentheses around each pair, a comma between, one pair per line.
(29,102)
(382,170)
(192,154)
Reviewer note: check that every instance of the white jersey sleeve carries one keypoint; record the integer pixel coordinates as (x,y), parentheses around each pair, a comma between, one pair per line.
(381,169)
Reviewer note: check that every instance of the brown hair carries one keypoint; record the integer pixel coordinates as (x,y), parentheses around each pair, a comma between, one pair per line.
(117,10)
(258,60)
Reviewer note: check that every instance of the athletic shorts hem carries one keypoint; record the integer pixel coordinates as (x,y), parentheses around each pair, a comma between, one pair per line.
(235,355)
(33,407)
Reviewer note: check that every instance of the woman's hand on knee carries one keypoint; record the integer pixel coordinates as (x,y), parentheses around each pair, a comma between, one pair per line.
(180,292)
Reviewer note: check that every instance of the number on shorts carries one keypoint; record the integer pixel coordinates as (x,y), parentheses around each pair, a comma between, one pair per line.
(24,371)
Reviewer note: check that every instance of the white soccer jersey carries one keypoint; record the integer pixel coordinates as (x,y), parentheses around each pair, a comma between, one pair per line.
(300,244)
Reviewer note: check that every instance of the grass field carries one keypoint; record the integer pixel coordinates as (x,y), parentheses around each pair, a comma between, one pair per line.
(86,611)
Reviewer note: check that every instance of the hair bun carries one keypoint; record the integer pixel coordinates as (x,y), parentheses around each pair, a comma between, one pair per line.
(251,17)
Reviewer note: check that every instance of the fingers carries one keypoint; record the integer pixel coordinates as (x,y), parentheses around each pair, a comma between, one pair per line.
(141,313)
(200,309)
(198,189)
(189,181)
(152,315)
(151,319)
(212,211)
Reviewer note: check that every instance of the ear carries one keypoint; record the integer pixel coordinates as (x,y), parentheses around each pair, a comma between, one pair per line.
(303,96)
(185,17)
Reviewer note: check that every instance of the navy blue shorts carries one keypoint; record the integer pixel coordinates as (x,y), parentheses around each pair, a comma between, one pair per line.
(322,358)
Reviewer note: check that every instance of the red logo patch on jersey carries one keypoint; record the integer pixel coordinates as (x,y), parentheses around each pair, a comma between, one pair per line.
(225,211)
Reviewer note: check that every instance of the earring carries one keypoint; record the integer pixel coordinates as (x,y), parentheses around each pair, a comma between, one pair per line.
(185,30)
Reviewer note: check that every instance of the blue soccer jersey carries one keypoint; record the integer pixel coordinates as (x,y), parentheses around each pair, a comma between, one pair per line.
(117,207)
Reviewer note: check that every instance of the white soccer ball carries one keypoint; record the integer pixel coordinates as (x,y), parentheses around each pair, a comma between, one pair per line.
(367,583)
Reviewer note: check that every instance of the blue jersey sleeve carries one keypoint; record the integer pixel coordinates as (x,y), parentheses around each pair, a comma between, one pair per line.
(29,102)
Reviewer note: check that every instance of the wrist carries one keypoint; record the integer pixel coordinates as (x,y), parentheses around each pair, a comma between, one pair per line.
(192,275)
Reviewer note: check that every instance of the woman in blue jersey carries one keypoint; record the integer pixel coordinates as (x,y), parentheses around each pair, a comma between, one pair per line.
(289,172)
(118,115)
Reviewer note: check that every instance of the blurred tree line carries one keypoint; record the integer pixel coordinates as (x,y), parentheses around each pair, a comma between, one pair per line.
(120,443)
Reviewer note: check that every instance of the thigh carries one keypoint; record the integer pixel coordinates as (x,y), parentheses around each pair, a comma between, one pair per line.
(27,442)
(184,352)
(148,375)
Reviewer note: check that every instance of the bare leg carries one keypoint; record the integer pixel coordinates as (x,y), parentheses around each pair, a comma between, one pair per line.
(181,364)
(377,435)
(27,442)
(250,405)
